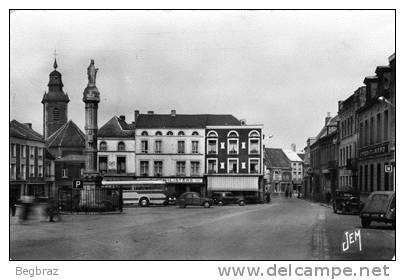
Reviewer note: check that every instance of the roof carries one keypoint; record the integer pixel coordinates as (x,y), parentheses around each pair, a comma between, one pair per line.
(291,155)
(68,135)
(301,155)
(183,121)
(23,131)
(332,122)
(276,158)
(118,128)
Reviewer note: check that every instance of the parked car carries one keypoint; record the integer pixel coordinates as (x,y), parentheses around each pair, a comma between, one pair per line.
(346,201)
(379,207)
(193,198)
(222,198)
(170,199)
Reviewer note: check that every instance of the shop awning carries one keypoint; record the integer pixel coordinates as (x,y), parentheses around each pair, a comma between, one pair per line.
(240,183)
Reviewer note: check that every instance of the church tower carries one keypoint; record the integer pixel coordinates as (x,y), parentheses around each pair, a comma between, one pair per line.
(55,104)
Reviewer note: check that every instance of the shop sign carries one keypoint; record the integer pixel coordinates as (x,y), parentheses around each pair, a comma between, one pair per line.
(183,180)
(78,184)
(375,150)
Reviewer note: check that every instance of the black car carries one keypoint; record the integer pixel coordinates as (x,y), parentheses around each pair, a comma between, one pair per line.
(346,201)
(380,207)
(222,198)
(193,199)
(170,199)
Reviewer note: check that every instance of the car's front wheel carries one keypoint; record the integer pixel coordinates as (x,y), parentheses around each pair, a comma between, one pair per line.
(206,204)
(365,222)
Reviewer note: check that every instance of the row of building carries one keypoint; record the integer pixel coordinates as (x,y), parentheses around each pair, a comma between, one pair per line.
(356,148)
(198,152)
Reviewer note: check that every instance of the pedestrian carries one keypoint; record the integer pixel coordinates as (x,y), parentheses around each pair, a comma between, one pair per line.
(27,202)
(290,193)
(52,210)
(268,197)
(13,202)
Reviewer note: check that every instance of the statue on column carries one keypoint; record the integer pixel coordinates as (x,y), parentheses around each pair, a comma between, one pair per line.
(92,73)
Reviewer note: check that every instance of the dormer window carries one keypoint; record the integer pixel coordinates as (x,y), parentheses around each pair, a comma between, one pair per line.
(121,146)
(195,133)
(158,133)
(144,133)
(103,146)
(169,133)
(181,133)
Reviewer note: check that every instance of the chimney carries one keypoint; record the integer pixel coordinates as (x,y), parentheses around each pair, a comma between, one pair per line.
(28,124)
(327,119)
(294,147)
(150,112)
(136,113)
(173,113)
(122,117)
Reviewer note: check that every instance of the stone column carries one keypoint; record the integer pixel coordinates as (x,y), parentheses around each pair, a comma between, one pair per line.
(91,98)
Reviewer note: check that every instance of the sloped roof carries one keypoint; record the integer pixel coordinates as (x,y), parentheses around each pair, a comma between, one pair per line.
(302,156)
(291,155)
(116,127)
(332,122)
(276,158)
(69,135)
(20,130)
(183,121)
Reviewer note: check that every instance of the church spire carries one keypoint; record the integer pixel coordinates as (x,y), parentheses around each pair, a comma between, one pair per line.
(55,64)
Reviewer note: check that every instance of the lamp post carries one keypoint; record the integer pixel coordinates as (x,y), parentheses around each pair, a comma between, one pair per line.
(383,99)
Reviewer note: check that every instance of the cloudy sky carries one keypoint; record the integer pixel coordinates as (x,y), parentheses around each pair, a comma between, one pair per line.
(283,69)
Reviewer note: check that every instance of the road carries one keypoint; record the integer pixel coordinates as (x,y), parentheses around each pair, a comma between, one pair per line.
(286,229)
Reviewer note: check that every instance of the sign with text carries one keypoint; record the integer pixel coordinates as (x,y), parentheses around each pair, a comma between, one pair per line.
(77,184)
(183,180)
(374,150)
(351,240)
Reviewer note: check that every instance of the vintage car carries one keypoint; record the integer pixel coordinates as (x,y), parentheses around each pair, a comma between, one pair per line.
(379,207)
(346,201)
(193,199)
(222,198)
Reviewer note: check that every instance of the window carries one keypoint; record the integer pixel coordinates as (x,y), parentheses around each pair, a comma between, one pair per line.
(371,131)
(40,153)
(158,146)
(13,171)
(366,134)
(40,171)
(212,166)
(365,178)
(56,114)
(121,146)
(254,133)
(103,146)
(194,147)
(361,135)
(212,134)
(371,177)
(195,168)
(144,133)
(102,164)
(233,134)
(23,151)
(158,133)
(232,165)
(144,146)
(379,183)
(81,171)
(385,125)
(32,171)
(212,146)
(254,166)
(195,133)
(254,146)
(121,168)
(181,133)
(31,152)
(169,133)
(378,128)
(233,146)
(13,150)
(64,172)
(158,168)
(23,171)
(144,168)
(181,168)
(180,147)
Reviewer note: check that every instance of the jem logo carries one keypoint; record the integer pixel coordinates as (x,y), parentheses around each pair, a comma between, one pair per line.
(351,240)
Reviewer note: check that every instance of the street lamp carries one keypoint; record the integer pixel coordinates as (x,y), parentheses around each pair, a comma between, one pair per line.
(383,99)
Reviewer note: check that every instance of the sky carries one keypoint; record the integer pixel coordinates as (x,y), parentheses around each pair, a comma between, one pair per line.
(282,69)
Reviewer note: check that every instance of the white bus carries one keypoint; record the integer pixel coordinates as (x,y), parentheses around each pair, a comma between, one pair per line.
(142,193)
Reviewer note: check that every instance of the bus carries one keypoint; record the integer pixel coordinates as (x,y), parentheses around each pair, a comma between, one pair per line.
(142,193)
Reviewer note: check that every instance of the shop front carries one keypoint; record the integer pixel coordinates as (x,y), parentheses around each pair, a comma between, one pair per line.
(179,185)
(238,185)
